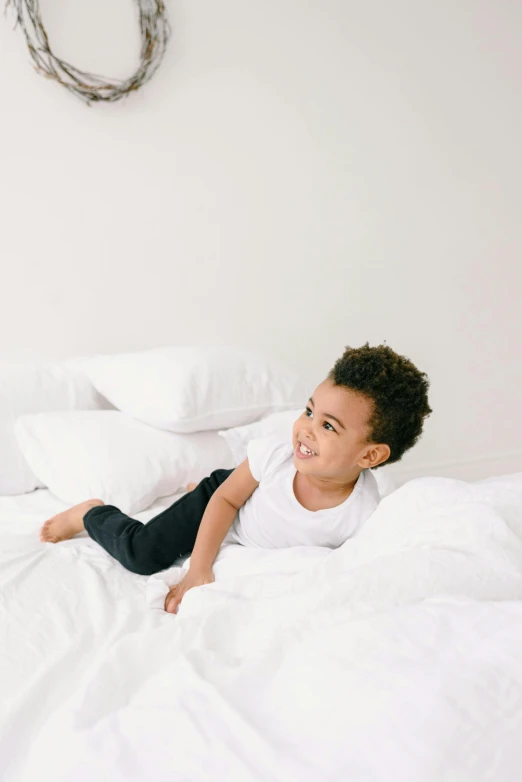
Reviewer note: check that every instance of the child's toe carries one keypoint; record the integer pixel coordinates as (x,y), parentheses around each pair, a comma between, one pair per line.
(44,532)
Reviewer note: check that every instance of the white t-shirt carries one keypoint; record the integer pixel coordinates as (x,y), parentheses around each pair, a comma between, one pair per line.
(273,518)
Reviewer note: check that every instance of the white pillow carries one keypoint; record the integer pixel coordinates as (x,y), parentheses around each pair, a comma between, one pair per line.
(281,425)
(34,387)
(192,389)
(108,455)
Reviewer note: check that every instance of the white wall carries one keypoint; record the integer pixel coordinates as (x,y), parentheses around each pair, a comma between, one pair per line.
(299,176)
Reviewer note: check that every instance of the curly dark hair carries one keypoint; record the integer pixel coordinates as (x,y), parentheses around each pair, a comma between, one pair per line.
(397,388)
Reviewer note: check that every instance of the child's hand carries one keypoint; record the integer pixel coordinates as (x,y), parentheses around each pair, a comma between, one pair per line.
(194,578)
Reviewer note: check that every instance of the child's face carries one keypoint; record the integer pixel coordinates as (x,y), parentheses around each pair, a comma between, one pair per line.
(338,445)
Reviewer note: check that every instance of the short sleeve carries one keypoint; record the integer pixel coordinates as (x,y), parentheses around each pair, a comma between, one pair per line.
(265,455)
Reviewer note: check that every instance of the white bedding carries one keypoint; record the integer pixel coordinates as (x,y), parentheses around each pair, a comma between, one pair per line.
(397,657)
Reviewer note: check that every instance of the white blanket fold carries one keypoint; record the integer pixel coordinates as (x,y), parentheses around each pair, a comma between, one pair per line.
(396,657)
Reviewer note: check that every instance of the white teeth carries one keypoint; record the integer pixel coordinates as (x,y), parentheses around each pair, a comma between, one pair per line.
(305,450)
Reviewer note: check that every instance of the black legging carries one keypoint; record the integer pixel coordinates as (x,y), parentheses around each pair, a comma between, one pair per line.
(154,546)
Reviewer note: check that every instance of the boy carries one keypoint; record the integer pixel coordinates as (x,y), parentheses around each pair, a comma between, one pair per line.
(316,490)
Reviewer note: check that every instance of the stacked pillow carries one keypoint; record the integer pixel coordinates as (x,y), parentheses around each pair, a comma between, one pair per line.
(195,389)
(107,454)
(169,404)
(30,388)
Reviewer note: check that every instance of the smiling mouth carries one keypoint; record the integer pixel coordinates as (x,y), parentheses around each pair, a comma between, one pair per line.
(303,451)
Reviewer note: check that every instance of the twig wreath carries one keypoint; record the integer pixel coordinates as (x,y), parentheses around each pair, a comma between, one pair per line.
(155,33)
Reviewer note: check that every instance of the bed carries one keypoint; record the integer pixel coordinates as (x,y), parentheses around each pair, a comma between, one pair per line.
(396,657)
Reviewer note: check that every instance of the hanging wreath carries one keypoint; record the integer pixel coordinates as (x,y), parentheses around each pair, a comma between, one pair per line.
(155,33)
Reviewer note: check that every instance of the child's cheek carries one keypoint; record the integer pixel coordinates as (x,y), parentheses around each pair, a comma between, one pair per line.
(294,439)
(295,431)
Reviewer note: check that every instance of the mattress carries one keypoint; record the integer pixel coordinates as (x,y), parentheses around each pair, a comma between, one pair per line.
(397,656)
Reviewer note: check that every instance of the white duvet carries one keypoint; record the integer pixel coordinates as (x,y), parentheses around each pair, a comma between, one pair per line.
(397,657)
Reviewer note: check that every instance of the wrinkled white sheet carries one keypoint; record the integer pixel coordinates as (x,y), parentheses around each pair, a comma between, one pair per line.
(396,657)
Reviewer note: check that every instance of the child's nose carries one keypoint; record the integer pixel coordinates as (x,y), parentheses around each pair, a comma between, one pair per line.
(308,432)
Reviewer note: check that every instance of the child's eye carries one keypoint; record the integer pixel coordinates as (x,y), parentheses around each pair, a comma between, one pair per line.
(307,410)
(331,429)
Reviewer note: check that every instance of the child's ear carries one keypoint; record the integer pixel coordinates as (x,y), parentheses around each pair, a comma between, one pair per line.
(375,455)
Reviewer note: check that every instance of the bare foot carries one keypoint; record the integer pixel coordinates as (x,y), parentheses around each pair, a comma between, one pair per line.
(191,486)
(67,524)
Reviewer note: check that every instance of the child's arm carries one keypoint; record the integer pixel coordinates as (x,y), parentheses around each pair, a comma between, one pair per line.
(219,515)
